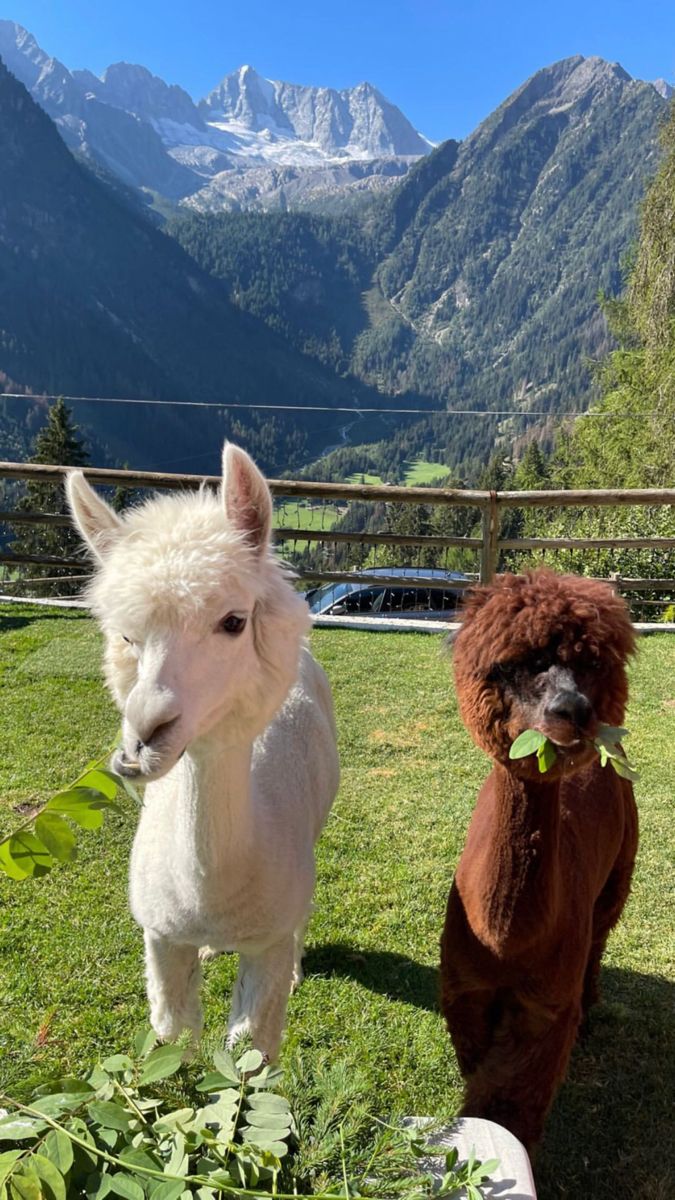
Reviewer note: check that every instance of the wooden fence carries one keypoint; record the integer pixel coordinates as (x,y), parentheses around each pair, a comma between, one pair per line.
(487,547)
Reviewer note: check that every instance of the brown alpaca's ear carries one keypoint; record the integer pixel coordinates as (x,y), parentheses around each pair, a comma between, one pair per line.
(98,523)
(246,496)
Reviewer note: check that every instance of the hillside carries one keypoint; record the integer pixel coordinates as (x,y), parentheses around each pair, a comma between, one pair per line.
(476,283)
(96,301)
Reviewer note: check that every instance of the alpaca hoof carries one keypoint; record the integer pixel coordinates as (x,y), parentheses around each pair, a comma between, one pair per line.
(236,1031)
(207,954)
(298,976)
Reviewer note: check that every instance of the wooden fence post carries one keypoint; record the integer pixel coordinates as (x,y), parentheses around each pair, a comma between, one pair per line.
(490,533)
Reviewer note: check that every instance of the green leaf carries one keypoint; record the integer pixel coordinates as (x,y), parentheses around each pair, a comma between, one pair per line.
(170,1190)
(27,849)
(61,1102)
(7,1160)
(125,1185)
(611,734)
(56,835)
(133,1156)
(265,1139)
(109,1115)
(144,1040)
(51,1178)
(59,1150)
(485,1169)
(451,1158)
(97,1186)
(526,743)
(161,1063)
(25,1185)
(262,1135)
(84,1159)
(604,756)
(15,1128)
(213,1081)
(269,1102)
(15,870)
(269,1077)
(252,1060)
(546,756)
(117,1063)
(623,768)
(101,780)
(178,1162)
(179,1116)
(83,805)
(269,1120)
(224,1064)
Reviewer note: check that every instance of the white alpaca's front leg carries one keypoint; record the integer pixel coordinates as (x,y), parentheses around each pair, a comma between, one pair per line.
(260,997)
(173,977)
(298,951)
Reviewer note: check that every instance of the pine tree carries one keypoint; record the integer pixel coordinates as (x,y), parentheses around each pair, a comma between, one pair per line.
(58,443)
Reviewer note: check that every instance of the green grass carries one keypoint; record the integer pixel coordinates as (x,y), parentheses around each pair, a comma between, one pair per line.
(364,479)
(71,978)
(299,514)
(420,472)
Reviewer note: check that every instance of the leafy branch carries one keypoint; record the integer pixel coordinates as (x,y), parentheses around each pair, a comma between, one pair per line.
(47,835)
(106,1136)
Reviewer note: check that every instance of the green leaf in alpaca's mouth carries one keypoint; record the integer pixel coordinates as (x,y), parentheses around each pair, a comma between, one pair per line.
(607,743)
(531,741)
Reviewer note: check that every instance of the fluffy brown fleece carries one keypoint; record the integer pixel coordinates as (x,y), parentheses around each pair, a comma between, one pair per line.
(548,859)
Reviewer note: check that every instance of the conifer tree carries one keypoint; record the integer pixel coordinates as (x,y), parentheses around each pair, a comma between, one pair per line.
(58,443)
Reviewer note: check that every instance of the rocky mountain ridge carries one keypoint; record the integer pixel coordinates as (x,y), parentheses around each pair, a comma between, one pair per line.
(154,137)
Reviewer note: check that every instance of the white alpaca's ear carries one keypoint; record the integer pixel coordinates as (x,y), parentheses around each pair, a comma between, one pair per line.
(98,523)
(246,496)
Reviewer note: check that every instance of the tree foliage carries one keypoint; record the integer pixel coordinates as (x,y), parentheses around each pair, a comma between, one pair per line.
(59,443)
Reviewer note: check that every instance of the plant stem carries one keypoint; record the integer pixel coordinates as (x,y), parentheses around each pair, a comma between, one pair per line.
(130,1101)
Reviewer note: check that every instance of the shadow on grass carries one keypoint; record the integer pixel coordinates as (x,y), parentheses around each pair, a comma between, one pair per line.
(392,975)
(20,622)
(610,1134)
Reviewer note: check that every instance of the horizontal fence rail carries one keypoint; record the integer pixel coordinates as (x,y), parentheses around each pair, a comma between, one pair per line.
(486,549)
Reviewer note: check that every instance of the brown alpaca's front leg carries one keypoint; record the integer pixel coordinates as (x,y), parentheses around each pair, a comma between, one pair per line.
(606,913)
(517,1080)
(471,1020)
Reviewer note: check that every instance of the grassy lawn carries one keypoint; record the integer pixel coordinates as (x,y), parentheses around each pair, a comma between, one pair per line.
(418,473)
(71,981)
(299,514)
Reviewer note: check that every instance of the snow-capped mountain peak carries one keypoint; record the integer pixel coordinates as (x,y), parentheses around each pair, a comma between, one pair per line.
(357,122)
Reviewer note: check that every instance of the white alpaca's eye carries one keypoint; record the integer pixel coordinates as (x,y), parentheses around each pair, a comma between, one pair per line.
(127,639)
(232,624)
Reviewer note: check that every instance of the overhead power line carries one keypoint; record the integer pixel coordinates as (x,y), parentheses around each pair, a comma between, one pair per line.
(425,412)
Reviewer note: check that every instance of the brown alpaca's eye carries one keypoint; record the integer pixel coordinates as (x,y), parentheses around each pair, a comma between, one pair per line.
(232,624)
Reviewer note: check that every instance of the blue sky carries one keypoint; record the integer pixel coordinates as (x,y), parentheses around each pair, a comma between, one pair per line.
(446,64)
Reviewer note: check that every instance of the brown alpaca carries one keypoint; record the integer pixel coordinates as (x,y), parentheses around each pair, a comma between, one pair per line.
(548,860)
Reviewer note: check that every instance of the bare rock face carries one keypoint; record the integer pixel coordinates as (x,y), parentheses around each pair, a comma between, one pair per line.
(357,122)
(153,136)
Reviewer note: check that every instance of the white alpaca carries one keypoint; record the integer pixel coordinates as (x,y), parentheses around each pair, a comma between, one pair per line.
(229,719)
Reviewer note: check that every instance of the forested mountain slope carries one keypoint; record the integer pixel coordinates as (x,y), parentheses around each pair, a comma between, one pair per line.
(476,284)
